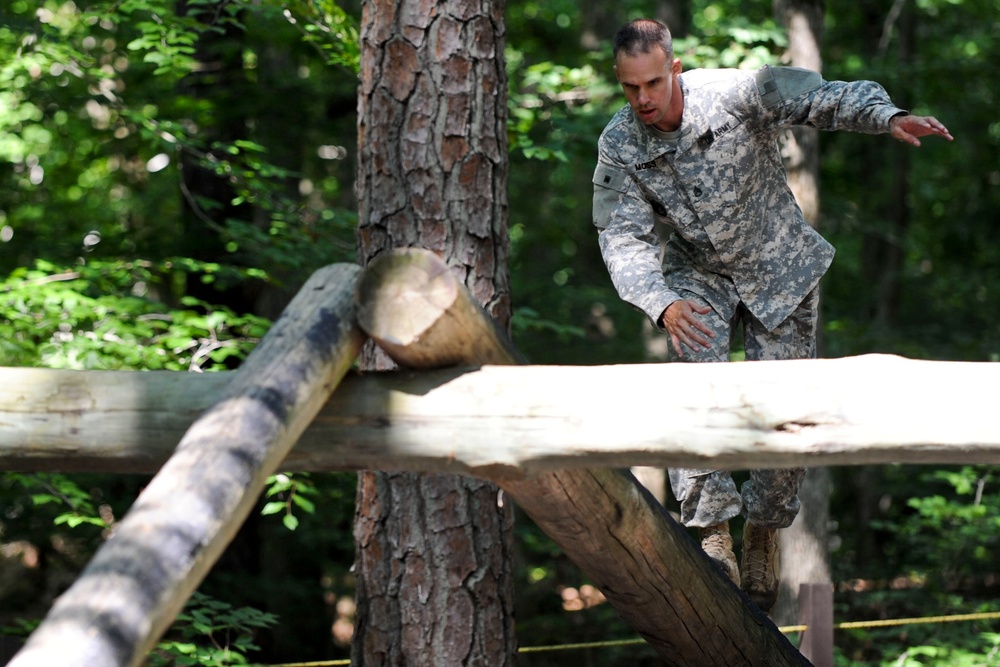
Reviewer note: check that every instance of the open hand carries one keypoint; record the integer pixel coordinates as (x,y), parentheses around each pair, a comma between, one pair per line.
(909,128)
(680,321)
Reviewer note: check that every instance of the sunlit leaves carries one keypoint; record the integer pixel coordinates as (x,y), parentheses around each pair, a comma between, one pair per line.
(327,26)
(75,506)
(211,633)
(99,316)
(548,102)
(167,39)
(286,494)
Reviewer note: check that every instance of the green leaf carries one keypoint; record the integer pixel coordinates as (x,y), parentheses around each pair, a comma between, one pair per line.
(273,508)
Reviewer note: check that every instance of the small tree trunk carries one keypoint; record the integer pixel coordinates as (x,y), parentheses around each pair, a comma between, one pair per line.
(804,544)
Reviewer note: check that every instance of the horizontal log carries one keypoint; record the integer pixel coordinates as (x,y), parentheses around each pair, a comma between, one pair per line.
(873,409)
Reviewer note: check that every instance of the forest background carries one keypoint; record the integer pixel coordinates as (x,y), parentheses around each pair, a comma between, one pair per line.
(174,171)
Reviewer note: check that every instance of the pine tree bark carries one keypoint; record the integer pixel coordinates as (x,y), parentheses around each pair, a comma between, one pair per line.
(433,565)
(804,544)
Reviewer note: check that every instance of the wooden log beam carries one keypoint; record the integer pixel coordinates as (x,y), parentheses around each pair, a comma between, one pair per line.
(655,576)
(873,409)
(138,581)
(650,571)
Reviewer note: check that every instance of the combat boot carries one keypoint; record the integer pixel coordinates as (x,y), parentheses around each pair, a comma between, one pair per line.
(760,565)
(717,544)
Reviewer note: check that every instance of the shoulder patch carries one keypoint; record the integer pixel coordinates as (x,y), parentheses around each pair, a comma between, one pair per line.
(778,84)
(613,178)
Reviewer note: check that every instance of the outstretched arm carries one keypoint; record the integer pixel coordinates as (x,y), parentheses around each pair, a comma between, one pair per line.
(908,128)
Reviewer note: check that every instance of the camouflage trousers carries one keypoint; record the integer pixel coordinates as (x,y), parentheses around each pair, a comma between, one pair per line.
(770,497)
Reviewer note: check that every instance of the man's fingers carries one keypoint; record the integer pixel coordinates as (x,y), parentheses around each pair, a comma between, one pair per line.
(685,328)
(691,331)
(677,345)
(909,128)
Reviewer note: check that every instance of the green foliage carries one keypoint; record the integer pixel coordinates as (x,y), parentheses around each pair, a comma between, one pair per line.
(169,40)
(106,126)
(291,492)
(956,532)
(100,315)
(211,633)
(328,27)
(552,105)
(938,546)
(730,39)
(76,506)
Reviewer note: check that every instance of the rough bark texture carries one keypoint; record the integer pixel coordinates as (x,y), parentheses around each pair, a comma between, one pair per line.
(804,544)
(433,567)
(180,524)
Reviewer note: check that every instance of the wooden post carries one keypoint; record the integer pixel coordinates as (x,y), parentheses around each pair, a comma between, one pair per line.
(644,563)
(816,613)
(138,580)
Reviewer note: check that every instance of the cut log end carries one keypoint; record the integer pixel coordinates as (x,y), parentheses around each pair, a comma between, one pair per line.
(403,293)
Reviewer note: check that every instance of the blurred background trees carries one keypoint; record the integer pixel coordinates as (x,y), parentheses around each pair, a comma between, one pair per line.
(173,171)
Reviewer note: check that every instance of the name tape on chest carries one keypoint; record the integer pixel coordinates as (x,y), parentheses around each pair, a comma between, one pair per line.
(703,142)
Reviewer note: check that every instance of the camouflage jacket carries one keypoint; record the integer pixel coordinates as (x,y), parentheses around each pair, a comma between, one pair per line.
(715,191)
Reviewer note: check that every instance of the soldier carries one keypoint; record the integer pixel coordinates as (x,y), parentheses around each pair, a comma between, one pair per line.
(692,164)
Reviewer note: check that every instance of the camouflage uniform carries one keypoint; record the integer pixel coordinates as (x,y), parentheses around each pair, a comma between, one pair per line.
(714,195)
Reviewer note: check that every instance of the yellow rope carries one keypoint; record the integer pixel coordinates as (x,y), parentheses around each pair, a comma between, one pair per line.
(847,625)
(568,647)
(855,625)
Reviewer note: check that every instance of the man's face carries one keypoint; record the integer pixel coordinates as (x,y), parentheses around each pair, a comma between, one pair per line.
(650,85)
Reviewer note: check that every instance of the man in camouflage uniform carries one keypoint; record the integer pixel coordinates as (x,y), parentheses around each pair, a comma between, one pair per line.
(691,163)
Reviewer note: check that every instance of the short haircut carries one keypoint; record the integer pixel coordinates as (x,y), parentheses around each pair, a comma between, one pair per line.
(642,36)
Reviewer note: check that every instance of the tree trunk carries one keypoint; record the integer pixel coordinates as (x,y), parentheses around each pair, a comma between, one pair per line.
(885,245)
(220,82)
(804,544)
(434,574)
(805,553)
(676,14)
(803,21)
(893,255)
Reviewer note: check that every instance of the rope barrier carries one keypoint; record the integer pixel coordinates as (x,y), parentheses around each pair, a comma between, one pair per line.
(569,647)
(846,625)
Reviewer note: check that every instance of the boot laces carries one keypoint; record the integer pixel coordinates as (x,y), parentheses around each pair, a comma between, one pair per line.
(758,558)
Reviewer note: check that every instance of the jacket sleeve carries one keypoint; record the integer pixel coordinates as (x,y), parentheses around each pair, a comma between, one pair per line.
(628,241)
(795,96)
